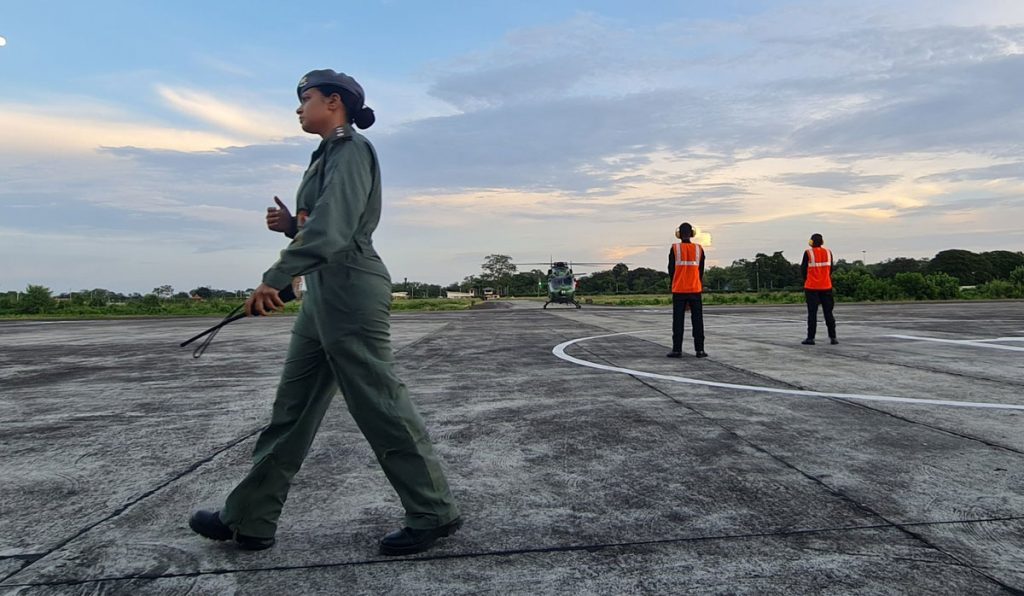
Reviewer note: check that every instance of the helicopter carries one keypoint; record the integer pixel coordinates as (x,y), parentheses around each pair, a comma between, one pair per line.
(562,282)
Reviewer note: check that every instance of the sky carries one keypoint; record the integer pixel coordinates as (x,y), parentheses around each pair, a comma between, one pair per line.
(141,142)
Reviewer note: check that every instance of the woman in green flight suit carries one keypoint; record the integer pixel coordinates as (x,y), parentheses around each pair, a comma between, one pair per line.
(340,340)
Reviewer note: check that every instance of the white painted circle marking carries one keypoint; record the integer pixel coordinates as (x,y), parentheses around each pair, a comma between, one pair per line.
(559,351)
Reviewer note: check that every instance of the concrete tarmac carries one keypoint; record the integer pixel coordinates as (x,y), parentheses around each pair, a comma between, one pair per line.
(890,463)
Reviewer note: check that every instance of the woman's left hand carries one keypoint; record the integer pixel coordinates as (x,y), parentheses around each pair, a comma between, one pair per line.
(263,301)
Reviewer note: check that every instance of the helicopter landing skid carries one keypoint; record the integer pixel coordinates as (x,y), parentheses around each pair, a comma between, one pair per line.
(577,304)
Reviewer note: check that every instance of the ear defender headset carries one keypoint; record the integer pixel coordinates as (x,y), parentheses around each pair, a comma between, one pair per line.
(685,228)
(813,237)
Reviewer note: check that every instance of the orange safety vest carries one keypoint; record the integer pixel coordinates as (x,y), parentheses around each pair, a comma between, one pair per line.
(687,276)
(819,269)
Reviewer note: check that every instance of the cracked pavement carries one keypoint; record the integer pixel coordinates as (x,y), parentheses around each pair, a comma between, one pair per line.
(571,479)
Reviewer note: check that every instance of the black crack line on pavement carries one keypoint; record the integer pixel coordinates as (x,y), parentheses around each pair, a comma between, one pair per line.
(838,493)
(861,358)
(875,361)
(850,402)
(879,410)
(424,337)
(876,410)
(875,556)
(192,468)
(590,548)
(30,557)
(430,335)
(975,568)
(24,559)
(937,428)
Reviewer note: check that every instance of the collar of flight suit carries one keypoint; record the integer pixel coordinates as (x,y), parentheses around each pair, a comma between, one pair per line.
(341,134)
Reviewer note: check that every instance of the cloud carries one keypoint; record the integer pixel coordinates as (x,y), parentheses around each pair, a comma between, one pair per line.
(71,129)
(224,66)
(878,112)
(125,261)
(892,128)
(620,253)
(842,181)
(927,124)
(400,102)
(251,122)
(532,64)
(1003,171)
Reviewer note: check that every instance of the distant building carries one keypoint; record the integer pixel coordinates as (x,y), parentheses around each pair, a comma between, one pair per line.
(399,295)
(460,295)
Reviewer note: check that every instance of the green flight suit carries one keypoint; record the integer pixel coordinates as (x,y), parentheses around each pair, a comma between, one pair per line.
(341,339)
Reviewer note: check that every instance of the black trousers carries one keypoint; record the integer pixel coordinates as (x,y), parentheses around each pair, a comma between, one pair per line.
(825,299)
(679,303)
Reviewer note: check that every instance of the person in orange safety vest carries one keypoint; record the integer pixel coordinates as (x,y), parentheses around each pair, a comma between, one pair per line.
(817,272)
(686,268)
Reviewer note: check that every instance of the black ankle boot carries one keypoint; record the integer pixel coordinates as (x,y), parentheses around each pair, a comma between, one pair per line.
(208,525)
(408,541)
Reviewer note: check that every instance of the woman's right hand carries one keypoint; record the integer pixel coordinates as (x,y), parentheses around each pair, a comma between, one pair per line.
(279,219)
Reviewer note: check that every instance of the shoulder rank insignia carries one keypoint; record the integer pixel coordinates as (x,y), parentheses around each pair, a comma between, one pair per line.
(343,133)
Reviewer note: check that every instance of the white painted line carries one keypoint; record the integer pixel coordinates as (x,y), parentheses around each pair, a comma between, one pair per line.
(559,351)
(960,342)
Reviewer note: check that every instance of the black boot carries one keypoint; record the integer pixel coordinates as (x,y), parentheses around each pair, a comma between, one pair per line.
(808,342)
(208,524)
(674,354)
(409,541)
(701,353)
(833,341)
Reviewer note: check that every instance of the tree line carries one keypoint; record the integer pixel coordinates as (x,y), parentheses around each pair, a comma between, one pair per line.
(38,299)
(776,272)
(949,274)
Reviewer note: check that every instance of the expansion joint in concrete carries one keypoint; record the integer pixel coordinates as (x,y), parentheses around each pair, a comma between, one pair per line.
(937,428)
(938,371)
(424,338)
(591,548)
(132,502)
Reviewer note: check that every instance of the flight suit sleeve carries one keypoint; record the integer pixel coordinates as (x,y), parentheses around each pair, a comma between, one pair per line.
(291,232)
(702,263)
(334,219)
(803,267)
(671,265)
